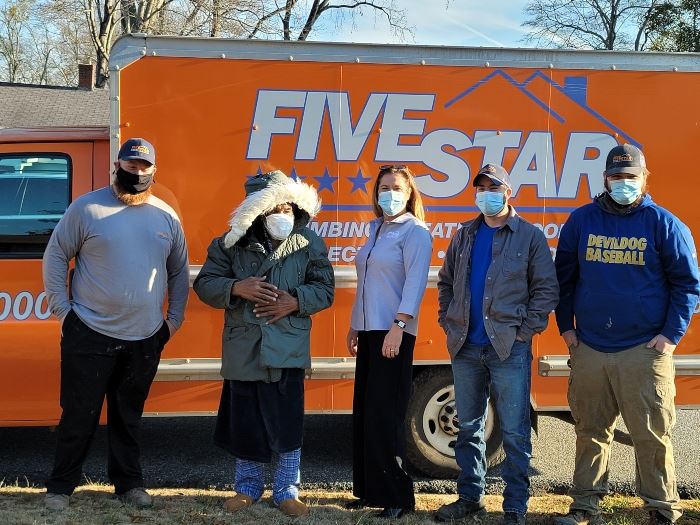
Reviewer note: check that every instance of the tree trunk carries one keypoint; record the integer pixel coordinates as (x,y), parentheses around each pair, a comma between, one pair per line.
(215,18)
(318,7)
(101,70)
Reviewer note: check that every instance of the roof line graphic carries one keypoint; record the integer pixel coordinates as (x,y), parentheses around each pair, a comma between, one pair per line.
(512,81)
(589,109)
(523,88)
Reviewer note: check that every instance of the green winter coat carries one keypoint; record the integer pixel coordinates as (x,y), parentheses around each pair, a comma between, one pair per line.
(252,350)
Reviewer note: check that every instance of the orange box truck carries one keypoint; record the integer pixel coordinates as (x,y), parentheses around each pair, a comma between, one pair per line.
(219,111)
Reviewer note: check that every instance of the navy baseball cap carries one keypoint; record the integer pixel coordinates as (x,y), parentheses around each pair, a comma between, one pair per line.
(138,149)
(496,173)
(625,159)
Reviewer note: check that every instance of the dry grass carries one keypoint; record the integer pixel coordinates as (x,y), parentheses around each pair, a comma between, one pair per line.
(95,504)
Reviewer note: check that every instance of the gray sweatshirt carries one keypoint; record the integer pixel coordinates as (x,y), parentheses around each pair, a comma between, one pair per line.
(126,259)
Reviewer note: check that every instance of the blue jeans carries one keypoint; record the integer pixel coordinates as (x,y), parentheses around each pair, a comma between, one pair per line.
(476,368)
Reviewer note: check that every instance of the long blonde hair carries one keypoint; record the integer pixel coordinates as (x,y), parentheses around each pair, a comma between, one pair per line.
(415,201)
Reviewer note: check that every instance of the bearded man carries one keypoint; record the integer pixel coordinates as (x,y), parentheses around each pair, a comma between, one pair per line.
(129,250)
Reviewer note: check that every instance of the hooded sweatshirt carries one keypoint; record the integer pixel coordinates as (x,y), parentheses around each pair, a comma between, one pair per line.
(626,274)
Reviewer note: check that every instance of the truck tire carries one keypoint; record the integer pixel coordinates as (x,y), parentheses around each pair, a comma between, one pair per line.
(431,426)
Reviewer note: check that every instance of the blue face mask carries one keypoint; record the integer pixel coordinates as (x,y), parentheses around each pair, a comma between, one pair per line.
(392,202)
(490,202)
(625,191)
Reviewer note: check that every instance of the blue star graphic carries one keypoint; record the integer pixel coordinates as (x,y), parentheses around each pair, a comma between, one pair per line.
(359,182)
(293,175)
(326,182)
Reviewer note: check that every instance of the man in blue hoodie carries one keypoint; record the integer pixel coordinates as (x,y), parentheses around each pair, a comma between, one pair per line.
(628,279)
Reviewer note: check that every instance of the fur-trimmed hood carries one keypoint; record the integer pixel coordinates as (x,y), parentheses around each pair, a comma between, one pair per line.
(263,193)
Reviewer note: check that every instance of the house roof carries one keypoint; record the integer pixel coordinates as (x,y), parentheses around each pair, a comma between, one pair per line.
(31,106)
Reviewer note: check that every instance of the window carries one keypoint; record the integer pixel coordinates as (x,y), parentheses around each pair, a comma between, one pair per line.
(34,194)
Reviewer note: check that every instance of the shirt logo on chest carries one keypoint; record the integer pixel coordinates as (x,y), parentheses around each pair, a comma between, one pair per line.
(616,250)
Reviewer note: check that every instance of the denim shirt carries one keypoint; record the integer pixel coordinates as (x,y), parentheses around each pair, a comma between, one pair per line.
(392,273)
(521,285)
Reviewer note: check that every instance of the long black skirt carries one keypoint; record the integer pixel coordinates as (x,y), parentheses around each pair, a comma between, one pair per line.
(257,419)
(382,391)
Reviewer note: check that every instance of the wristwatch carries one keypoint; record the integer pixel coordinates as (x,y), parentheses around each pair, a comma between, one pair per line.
(400,323)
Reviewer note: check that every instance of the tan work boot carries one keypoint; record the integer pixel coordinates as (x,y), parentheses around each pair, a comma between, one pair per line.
(579,517)
(294,508)
(238,502)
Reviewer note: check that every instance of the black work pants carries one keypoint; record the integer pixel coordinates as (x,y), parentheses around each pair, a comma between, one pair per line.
(382,390)
(93,366)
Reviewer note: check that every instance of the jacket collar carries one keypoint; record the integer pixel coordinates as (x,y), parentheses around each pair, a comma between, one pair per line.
(513,221)
(295,242)
(404,217)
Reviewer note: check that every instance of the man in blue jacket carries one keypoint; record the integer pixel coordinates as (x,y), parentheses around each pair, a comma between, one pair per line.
(628,279)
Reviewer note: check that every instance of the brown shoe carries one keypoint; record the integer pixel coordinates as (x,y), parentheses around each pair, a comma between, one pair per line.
(294,508)
(238,502)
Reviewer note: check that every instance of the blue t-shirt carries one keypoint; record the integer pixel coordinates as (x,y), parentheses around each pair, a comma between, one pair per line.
(480,262)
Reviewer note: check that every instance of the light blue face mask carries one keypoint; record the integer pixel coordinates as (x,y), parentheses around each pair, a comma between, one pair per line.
(392,202)
(490,202)
(625,191)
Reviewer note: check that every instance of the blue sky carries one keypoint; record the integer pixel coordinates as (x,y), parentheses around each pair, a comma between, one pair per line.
(494,23)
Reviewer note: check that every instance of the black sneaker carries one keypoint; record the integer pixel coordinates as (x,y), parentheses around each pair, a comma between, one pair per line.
(459,509)
(656,518)
(511,518)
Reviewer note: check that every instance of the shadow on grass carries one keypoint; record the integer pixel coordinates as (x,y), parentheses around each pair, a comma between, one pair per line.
(97,505)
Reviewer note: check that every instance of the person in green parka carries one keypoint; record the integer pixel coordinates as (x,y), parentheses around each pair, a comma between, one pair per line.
(269,273)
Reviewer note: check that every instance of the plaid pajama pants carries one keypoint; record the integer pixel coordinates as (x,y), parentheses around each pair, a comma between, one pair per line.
(250,477)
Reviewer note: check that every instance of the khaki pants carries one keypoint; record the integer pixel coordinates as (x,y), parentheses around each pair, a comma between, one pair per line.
(639,384)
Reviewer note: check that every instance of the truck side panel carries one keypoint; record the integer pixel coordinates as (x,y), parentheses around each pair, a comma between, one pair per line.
(332,121)
(43,175)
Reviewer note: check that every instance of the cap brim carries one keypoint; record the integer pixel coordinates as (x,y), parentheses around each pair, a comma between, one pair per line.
(632,170)
(137,158)
(496,181)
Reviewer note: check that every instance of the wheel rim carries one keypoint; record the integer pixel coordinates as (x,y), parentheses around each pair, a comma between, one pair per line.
(441,424)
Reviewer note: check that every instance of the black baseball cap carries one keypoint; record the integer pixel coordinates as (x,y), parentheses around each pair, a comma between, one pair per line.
(625,159)
(496,173)
(138,149)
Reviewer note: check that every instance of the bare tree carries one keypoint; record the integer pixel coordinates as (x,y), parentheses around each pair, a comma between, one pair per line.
(74,47)
(593,24)
(14,19)
(284,19)
(49,37)
(42,49)
(139,16)
(103,22)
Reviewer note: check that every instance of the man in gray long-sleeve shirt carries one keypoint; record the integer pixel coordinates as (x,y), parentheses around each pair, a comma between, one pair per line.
(129,251)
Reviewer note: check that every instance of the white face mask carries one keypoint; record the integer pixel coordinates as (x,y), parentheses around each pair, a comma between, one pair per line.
(279,225)
(625,191)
